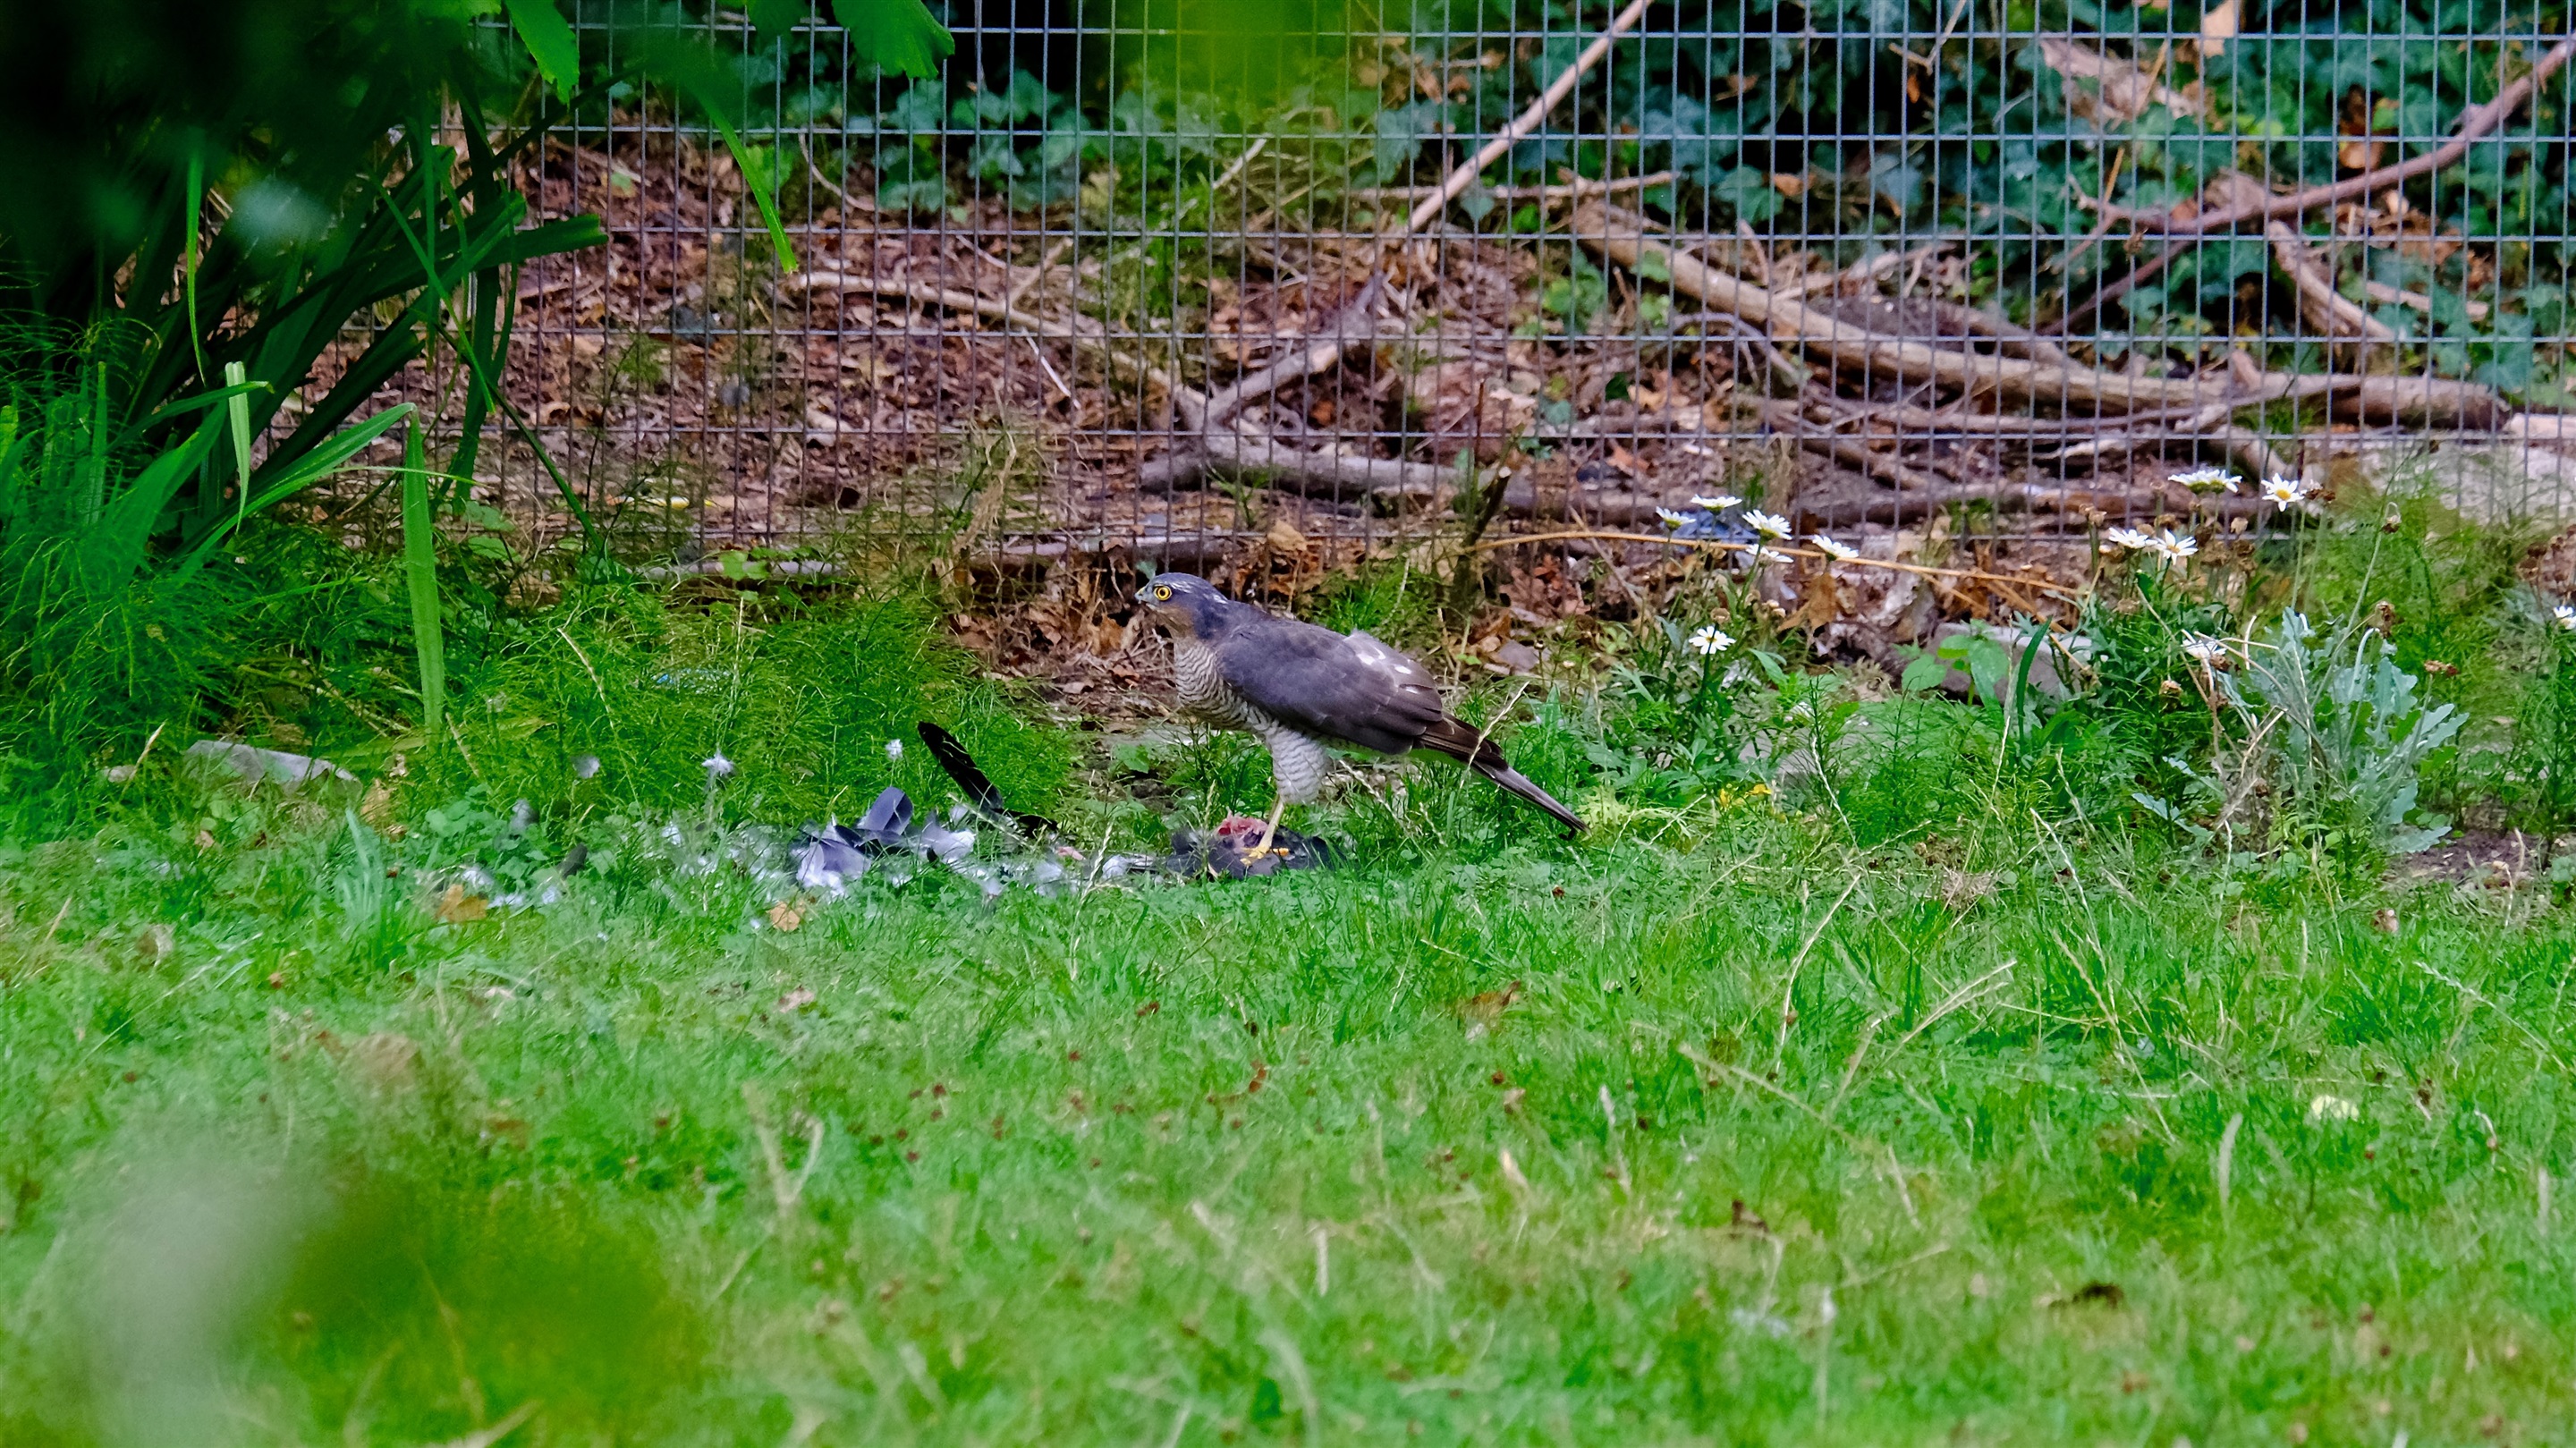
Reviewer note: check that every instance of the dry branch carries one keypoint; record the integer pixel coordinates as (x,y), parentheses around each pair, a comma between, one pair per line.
(1715,546)
(1351,327)
(2428,401)
(2325,309)
(1578,189)
(2474,122)
(1464,176)
(1786,418)
(1084,333)
(1792,321)
(1223,443)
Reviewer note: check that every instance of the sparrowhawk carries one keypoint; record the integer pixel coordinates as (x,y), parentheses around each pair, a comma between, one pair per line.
(1299,688)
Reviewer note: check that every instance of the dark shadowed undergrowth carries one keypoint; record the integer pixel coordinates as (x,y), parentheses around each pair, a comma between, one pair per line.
(2033,1141)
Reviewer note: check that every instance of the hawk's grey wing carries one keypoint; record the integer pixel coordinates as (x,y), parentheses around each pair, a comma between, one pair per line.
(1355,689)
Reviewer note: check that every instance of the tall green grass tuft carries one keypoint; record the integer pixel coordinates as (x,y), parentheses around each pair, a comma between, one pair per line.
(113,595)
(802,696)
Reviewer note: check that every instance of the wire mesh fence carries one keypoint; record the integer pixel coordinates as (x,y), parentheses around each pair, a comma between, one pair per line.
(1126,280)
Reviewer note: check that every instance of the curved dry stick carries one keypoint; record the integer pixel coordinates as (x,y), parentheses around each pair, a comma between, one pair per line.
(1527,121)
(2474,123)
(1082,332)
(1716,546)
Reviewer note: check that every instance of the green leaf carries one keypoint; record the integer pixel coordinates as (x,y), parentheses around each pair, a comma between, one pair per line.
(1926,672)
(420,576)
(898,35)
(772,19)
(549,39)
(307,470)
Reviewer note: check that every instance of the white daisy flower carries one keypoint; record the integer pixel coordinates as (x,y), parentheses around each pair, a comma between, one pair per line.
(1843,552)
(1770,525)
(2283,491)
(2208,652)
(1671,518)
(2323,1108)
(1718,504)
(1710,640)
(894,751)
(717,766)
(1761,555)
(2208,480)
(2130,538)
(2566,616)
(2173,547)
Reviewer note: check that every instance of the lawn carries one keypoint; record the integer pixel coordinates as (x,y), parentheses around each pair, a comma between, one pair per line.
(1714,1126)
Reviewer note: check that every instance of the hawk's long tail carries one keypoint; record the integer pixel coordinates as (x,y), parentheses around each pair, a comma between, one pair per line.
(1464,744)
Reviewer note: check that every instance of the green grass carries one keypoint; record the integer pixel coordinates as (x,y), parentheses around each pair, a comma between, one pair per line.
(282,1159)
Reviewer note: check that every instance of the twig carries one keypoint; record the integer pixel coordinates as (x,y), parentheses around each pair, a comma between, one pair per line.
(1720,547)
(848,202)
(1224,443)
(2474,122)
(1702,1059)
(2479,996)
(1232,171)
(1851,1067)
(1352,327)
(486,1437)
(1527,121)
(1956,999)
(2138,276)
(1037,274)
(2398,297)
(1577,189)
(1863,273)
(1786,418)
(2326,309)
(1082,332)
(1958,12)
(1797,963)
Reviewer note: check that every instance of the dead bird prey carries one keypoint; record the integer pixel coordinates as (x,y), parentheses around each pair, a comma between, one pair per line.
(1298,688)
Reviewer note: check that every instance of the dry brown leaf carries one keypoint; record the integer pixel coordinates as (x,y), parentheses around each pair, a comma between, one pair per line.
(785,916)
(455,907)
(2217,27)
(2105,88)
(1789,184)
(1487,1006)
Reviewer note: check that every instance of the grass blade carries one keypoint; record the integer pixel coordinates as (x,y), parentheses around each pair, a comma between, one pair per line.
(236,375)
(420,573)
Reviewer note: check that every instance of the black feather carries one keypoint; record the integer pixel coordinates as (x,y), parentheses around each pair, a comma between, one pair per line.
(980,790)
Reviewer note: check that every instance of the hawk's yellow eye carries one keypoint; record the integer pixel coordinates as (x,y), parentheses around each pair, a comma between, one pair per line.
(1162,591)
